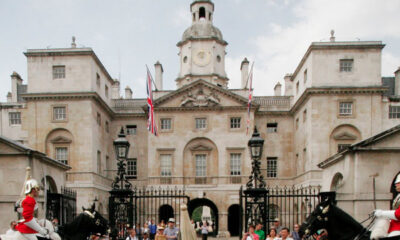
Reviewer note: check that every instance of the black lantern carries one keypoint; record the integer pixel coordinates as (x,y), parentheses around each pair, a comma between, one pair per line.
(121,146)
(256,144)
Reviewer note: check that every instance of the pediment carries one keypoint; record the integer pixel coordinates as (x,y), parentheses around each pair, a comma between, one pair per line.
(200,147)
(200,94)
(345,136)
(60,139)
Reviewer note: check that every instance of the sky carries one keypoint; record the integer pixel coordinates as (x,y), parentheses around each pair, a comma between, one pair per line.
(127,35)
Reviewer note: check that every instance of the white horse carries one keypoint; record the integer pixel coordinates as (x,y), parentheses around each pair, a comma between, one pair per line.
(44,223)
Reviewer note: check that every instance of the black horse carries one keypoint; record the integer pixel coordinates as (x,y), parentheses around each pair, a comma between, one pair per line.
(87,223)
(339,224)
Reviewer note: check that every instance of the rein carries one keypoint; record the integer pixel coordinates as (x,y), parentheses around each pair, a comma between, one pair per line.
(371,215)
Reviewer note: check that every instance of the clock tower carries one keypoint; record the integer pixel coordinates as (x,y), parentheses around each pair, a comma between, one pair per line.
(202,48)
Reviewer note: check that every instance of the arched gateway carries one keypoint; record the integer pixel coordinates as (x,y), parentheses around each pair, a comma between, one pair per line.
(204,202)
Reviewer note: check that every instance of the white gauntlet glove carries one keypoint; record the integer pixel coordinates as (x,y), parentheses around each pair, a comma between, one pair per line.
(35,226)
(389,214)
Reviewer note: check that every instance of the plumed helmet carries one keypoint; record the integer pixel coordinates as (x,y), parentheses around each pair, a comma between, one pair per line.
(30,184)
(397,179)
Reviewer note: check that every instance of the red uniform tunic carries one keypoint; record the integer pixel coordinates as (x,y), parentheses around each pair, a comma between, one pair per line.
(28,206)
(395,224)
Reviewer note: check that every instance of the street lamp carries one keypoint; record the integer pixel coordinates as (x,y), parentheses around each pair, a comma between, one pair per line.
(256,144)
(121,194)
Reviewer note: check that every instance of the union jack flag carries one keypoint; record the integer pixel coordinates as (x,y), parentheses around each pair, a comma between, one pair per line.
(250,78)
(151,122)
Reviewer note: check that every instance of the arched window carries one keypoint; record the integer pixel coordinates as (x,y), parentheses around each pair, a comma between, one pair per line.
(202,12)
(337,182)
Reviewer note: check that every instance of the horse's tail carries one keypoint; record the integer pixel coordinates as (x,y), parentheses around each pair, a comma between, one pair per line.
(380,228)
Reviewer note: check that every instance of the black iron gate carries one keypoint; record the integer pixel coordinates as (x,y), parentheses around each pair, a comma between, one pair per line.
(290,205)
(61,205)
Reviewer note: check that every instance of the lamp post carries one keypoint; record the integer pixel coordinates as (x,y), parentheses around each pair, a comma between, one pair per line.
(255,196)
(121,195)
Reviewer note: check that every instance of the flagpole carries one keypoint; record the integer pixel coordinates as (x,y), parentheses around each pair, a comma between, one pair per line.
(152,80)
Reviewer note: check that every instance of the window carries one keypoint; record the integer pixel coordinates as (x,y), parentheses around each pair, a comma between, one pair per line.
(304,115)
(235,164)
(98,119)
(342,147)
(98,162)
(394,111)
(297,123)
(108,166)
(131,129)
(235,122)
(201,168)
(131,168)
(345,108)
(305,76)
(107,127)
(346,65)
(15,118)
(166,124)
(166,165)
(272,167)
(58,72)
(272,127)
(200,123)
(62,154)
(97,80)
(59,113)
(297,87)
(106,90)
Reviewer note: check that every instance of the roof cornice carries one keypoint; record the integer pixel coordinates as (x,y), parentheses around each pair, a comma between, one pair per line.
(69,95)
(201,39)
(202,75)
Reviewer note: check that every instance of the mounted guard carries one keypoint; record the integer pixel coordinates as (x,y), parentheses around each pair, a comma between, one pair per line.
(394,214)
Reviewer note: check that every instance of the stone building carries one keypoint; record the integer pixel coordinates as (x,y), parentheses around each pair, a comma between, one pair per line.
(72,110)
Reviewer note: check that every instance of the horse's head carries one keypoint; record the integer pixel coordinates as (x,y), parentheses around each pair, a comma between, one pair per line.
(98,223)
(317,219)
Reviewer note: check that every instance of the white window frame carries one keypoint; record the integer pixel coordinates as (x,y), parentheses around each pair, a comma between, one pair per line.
(272,129)
(201,165)
(272,167)
(394,112)
(61,155)
(201,123)
(166,123)
(59,72)
(346,65)
(235,122)
(165,165)
(131,129)
(131,168)
(345,108)
(14,118)
(236,164)
(59,113)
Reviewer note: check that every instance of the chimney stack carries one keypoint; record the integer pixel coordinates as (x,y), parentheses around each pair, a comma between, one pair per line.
(159,75)
(244,67)
(15,81)
(9,97)
(332,36)
(278,89)
(115,88)
(397,82)
(288,85)
(128,93)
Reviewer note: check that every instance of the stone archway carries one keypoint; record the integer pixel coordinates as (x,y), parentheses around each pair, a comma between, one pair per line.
(233,219)
(51,186)
(201,202)
(165,212)
(393,188)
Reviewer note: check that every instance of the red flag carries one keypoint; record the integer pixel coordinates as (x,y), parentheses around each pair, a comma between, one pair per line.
(151,122)
(250,78)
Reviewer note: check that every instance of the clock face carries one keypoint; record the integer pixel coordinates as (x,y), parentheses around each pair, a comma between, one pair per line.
(201,57)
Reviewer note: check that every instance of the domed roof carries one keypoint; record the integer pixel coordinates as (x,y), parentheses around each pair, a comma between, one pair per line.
(202,30)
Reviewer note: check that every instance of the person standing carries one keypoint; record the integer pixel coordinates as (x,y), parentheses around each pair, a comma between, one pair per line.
(394,214)
(259,231)
(277,226)
(171,232)
(250,235)
(153,230)
(29,227)
(285,234)
(204,230)
(132,234)
(160,234)
(139,231)
(295,232)
(272,234)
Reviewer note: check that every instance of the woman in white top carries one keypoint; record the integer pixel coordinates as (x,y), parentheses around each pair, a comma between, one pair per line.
(272,234)
(132,235)
(204,231)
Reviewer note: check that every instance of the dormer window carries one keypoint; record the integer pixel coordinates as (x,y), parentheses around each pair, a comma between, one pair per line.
(202,13)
